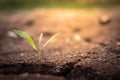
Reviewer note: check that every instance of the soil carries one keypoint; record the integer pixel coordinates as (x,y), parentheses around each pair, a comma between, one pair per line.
(86,49)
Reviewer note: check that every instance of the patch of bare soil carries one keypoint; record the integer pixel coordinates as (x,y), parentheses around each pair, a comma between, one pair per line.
(87,49)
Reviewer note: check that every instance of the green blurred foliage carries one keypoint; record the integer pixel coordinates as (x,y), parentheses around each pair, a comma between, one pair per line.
(16,4)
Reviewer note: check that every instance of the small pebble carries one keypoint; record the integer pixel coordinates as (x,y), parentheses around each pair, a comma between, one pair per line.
(104,19)
(29,22)
(21,54)
(88,40)
(77,37)
(76,30)
(118,43)
(12,34)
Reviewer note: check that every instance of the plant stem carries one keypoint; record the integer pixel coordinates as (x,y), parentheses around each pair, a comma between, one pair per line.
(39,54)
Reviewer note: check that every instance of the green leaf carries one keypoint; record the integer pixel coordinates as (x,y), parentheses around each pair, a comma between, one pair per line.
(26,37)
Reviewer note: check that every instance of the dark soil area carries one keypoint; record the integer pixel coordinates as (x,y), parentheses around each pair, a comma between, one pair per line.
(87,49)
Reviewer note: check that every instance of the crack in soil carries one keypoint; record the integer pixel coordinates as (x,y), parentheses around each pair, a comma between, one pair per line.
(68,71)
(16,69)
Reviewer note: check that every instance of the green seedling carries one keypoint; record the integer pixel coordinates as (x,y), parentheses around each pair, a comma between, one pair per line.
(32,42)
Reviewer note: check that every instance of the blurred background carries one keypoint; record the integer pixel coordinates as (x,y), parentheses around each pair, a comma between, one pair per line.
(90,31)
(18,4)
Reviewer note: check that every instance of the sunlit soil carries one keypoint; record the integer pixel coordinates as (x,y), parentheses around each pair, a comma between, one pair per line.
(89,42)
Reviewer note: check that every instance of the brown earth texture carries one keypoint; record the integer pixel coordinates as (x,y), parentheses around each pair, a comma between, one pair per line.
(88,47)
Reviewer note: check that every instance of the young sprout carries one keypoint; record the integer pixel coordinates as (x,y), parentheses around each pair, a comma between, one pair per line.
(32,43)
